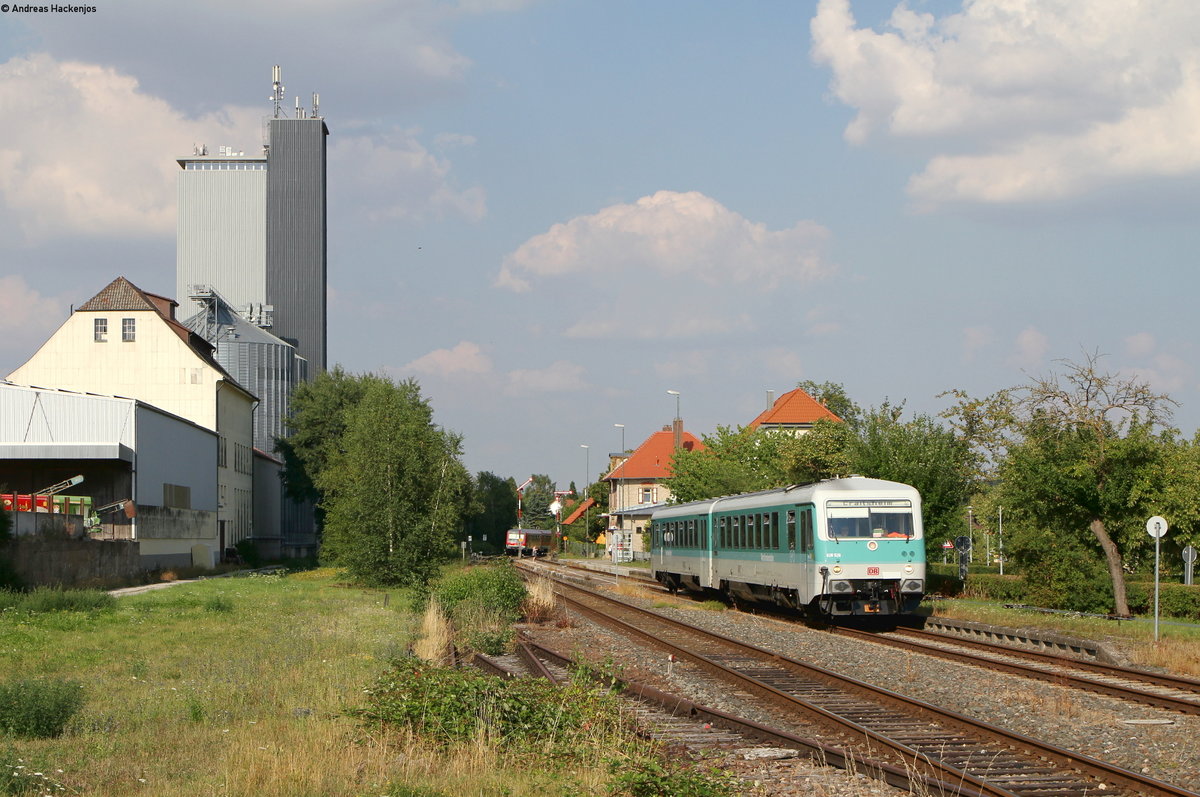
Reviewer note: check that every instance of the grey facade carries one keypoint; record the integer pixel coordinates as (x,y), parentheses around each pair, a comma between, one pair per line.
(254,229)
(260,362)
(296,235)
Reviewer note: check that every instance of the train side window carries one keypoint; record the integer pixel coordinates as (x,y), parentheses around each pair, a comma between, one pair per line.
(806,531)
(791,529)
(760,532)
(737,531)
(691,526)
(721,532)
(772,536)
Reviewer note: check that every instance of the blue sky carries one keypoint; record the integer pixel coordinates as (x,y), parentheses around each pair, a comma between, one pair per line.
(550,213)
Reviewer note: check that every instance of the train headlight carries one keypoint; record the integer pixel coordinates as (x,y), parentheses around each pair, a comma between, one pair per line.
(912,585)
(908,568)
(841,586)
(837,568)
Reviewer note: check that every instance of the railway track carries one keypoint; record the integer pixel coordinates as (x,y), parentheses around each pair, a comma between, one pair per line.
(937,744)
(1140,686)
(677,721)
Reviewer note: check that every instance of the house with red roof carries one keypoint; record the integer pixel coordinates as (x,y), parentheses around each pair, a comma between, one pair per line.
(635,484)
(794,412)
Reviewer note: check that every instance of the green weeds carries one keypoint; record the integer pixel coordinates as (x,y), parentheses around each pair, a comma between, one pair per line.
(38,709)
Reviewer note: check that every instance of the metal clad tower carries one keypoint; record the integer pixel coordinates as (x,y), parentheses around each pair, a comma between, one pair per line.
(296,248)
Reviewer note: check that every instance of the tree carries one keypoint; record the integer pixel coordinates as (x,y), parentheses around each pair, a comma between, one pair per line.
(392,488)
(919,452)
(535,503)
(493,510)
(732,461)
(833,395)
(316,427)
(822,453)
(1078,453)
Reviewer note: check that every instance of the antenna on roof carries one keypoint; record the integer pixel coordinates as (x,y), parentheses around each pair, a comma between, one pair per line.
(316,106)
(276,88)
(299,110)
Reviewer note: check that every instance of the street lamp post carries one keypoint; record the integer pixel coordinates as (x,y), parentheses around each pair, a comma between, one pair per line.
(620,497)
(971,533)
(587,471)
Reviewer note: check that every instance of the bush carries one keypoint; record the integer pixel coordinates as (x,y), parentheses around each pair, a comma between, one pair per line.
(447,705)
(249,553)
(1174,600)
(495,587)
(669,777)
(38,709)
(1007,589)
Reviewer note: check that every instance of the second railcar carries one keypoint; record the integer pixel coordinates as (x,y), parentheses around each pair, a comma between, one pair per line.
(851,546)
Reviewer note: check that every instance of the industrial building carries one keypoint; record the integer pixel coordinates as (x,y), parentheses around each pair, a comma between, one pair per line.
(151,474)
(126,342)
(253,228)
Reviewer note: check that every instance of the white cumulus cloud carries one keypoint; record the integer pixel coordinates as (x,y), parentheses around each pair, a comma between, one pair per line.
(653,267)
(85,150)
(1023,100)
(465,359)
(27,317)
(560,376)
(1029,348)
(391,175)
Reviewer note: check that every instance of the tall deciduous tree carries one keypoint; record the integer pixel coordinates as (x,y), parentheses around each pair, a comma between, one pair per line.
(833,395)
(732,461)
(493,510)
(824,452)
(1078,453)
(393,490)
(919,452)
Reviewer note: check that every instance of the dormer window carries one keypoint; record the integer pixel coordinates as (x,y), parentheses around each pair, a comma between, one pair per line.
(128,329)
(100,330)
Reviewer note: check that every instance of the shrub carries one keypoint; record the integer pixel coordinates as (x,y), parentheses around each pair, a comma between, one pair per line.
(218,604)
(648,776)
(249,553)
(1009,589)
(1174,600)
(447,706)
(495,587)
(38,709)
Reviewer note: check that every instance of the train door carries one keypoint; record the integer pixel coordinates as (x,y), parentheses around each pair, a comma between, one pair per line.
(800,544)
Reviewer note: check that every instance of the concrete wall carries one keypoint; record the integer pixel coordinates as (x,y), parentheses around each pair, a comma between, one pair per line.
(39,561)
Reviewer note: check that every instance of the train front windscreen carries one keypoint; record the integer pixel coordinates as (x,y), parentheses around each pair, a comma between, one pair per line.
(869,519)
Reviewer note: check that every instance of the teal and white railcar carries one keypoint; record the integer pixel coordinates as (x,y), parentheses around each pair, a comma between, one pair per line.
(852,546)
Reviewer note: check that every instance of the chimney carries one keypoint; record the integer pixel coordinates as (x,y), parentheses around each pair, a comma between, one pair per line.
(770,399)
(677,428)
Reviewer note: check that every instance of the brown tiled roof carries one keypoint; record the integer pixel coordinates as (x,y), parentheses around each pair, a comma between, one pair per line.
(652,459)
(123,295)
(794,408)
(120,294)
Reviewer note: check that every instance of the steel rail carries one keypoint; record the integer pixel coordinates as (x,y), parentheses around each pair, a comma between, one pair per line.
(1182,683)
(1026,671)
(682,707)
(1065,759)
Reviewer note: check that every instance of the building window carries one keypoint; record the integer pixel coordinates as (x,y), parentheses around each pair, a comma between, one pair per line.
(647,495)
(128,329)
(100,330)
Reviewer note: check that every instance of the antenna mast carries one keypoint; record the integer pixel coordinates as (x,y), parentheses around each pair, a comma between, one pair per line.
(277,88)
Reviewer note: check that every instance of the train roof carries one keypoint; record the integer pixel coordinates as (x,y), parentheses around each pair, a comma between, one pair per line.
(800,493)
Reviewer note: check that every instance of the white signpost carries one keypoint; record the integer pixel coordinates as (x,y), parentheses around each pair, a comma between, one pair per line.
(1156,527)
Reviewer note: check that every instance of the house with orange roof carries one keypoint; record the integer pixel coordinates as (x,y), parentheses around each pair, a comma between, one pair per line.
(794,412)
(635,484)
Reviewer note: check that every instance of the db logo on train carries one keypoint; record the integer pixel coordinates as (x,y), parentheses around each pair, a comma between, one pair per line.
(872,571)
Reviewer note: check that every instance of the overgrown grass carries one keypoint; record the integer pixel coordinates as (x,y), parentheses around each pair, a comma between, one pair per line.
(38,709)
(53,599)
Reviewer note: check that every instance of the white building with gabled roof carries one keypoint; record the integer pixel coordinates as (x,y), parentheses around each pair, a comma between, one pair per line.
(126,342)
